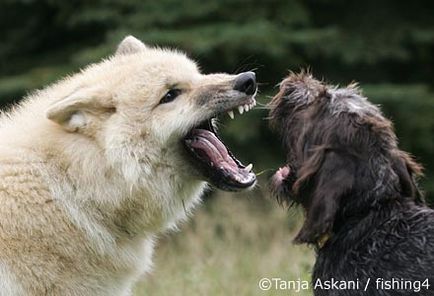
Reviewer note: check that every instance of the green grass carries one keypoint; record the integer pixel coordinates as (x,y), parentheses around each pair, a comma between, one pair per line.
(230,243)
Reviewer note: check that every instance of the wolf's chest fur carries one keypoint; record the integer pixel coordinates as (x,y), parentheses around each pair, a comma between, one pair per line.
(96,238)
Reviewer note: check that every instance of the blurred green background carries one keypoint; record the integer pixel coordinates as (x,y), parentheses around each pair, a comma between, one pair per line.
(387,46)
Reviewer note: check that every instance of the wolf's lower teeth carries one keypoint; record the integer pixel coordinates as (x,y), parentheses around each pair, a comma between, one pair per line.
(249,167)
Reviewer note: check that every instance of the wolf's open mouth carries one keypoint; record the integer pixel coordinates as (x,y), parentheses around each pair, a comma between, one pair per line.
(215,160)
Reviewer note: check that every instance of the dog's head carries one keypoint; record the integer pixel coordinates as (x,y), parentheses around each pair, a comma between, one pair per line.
(342,154)
(149,108)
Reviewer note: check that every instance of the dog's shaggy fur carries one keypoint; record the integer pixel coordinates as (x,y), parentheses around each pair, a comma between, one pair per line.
(364,212)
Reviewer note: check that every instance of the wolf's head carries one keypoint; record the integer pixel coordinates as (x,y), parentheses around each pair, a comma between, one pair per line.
(149,108)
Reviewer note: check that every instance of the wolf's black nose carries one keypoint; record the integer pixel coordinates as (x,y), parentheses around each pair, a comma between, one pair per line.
(246,83)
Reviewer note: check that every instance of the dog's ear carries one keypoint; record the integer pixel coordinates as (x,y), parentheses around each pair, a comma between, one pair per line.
(76,111)
(408,171)
(331,177)
(130,45)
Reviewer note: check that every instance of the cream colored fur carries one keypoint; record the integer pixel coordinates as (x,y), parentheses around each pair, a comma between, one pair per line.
(91,170)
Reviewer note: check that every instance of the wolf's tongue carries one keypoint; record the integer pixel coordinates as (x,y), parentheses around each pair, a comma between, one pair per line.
(209,146)
(216,162)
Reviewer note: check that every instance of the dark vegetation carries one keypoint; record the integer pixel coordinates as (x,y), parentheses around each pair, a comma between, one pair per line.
(387,46)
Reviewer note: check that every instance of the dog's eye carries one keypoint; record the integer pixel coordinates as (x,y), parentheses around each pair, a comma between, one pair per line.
(170,96)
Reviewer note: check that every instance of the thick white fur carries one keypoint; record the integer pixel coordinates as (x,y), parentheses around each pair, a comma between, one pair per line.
(91,169)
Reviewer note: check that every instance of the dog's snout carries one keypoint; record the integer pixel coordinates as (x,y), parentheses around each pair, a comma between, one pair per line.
(246,83)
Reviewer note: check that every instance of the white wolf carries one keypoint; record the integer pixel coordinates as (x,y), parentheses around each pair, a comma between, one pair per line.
(94,166)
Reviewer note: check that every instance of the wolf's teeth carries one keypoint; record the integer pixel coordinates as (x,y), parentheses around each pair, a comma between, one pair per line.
(246,108)
(254,102)
(249,167)
(231,114)
(241,109)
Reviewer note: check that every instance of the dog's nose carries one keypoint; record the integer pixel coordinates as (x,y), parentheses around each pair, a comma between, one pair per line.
(246,83)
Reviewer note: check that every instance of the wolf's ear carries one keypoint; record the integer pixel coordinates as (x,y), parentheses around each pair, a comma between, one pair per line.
(130,45)
(76,111)
(332,178)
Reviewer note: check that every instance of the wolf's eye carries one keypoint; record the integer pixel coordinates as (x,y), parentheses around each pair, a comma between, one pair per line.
(170,96)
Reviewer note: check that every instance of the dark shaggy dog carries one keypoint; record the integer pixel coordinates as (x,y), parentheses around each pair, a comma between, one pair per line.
(364,212)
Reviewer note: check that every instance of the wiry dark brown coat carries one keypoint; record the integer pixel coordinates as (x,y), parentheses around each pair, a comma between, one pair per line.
(357,187)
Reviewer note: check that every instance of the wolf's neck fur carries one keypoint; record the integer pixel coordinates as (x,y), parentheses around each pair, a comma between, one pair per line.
(120,204)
